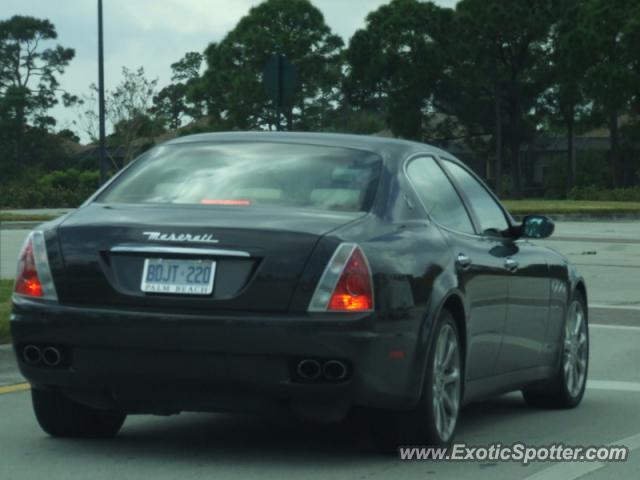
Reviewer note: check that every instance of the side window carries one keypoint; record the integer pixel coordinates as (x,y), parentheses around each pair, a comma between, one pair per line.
(490,215)
(438,195)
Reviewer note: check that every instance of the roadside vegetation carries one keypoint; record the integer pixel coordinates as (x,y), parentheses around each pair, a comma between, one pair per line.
(510,85)
(6,287)
(24,217)
(516,207)
(584,207)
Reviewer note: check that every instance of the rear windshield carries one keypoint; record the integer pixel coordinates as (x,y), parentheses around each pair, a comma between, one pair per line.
(251,174)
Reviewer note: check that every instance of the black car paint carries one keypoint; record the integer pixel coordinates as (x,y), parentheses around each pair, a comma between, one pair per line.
(152,354)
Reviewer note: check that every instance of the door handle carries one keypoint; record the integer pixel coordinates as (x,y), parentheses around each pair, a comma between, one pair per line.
(463,261)
(511,265)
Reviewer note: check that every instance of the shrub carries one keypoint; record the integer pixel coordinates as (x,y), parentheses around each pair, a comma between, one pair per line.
(71,179)
(592,192)
(59,189)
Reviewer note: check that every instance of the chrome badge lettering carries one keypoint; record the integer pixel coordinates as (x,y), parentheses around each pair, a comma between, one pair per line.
(180,237)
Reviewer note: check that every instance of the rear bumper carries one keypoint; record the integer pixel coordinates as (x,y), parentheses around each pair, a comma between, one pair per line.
(154,363)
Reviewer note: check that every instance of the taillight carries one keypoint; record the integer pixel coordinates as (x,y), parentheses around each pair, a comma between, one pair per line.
(33,277)
(345,285)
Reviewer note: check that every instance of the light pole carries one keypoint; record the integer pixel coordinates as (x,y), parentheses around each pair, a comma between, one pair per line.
(103,163)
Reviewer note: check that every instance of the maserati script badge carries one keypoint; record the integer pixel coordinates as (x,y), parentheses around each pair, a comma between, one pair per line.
(180,237)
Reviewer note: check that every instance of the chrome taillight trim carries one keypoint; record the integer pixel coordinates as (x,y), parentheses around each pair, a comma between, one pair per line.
(331,275)
(43,268)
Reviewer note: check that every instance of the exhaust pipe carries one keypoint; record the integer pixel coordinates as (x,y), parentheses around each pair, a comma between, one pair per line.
(334,370)
(309,369)
(51,356)
(32,355)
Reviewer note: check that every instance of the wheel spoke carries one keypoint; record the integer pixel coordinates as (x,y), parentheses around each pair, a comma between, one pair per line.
(450,402)
(438,413)
(569,375)
(439,349)
(567,362)
(576,379)
(444,425)
(582,363)
(571,319)
(578,326)
(582,340)
(452,376)
(451,348)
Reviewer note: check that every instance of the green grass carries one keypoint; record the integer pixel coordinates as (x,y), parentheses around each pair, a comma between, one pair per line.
(13,217)
(586,207)
(516,207)
(6,287)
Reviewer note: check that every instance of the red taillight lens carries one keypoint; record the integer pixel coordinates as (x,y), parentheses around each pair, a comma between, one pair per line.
(27,281)
(353,292)
(346,284)
(33,276)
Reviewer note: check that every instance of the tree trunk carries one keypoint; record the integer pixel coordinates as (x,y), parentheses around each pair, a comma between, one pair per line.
(289,118)
(571,152)
(514,144)
(614,152)
(514,140)
(18,140)
(497,171)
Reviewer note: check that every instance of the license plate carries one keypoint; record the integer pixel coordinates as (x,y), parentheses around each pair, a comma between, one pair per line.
(180,277)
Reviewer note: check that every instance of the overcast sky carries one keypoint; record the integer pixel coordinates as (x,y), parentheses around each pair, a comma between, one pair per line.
(155,33)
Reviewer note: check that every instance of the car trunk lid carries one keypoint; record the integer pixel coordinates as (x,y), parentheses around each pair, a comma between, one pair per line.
(259,254)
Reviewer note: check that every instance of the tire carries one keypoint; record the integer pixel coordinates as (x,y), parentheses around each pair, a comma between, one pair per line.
(61,417)
(566,388)
(442,389)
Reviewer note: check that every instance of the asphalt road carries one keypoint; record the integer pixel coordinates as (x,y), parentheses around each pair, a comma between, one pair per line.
(194,446)
(10,242)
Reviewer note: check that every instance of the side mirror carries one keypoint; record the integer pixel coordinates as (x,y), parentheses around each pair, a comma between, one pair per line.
(537,226)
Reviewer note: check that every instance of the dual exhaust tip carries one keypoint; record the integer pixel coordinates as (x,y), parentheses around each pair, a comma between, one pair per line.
(330,370)
(34,355)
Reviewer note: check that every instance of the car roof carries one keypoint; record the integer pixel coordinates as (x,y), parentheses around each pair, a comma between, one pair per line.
(391,149)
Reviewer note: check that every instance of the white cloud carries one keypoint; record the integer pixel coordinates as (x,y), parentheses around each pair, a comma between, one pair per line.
(183,16)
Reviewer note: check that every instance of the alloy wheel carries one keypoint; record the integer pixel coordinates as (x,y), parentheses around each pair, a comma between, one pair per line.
(575,349)
(446,382)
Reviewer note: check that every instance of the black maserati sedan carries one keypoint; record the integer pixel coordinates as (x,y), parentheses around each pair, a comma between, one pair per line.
(295,272)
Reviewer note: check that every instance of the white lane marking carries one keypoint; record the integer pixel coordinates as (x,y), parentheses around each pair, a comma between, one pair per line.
(565,471)
(613,385)
(627,328)
(614,307)
(575,470)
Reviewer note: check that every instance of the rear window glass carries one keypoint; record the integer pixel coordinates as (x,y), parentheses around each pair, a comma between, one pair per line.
(251,174)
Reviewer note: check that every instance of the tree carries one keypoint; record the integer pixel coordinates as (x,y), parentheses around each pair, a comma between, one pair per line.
(187,68)
(570,59)
(29,84)
(611,79)
(231,86)
(503,47)
(128,111)
(632,40)
(395,63)
(180,98)
(169,105)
